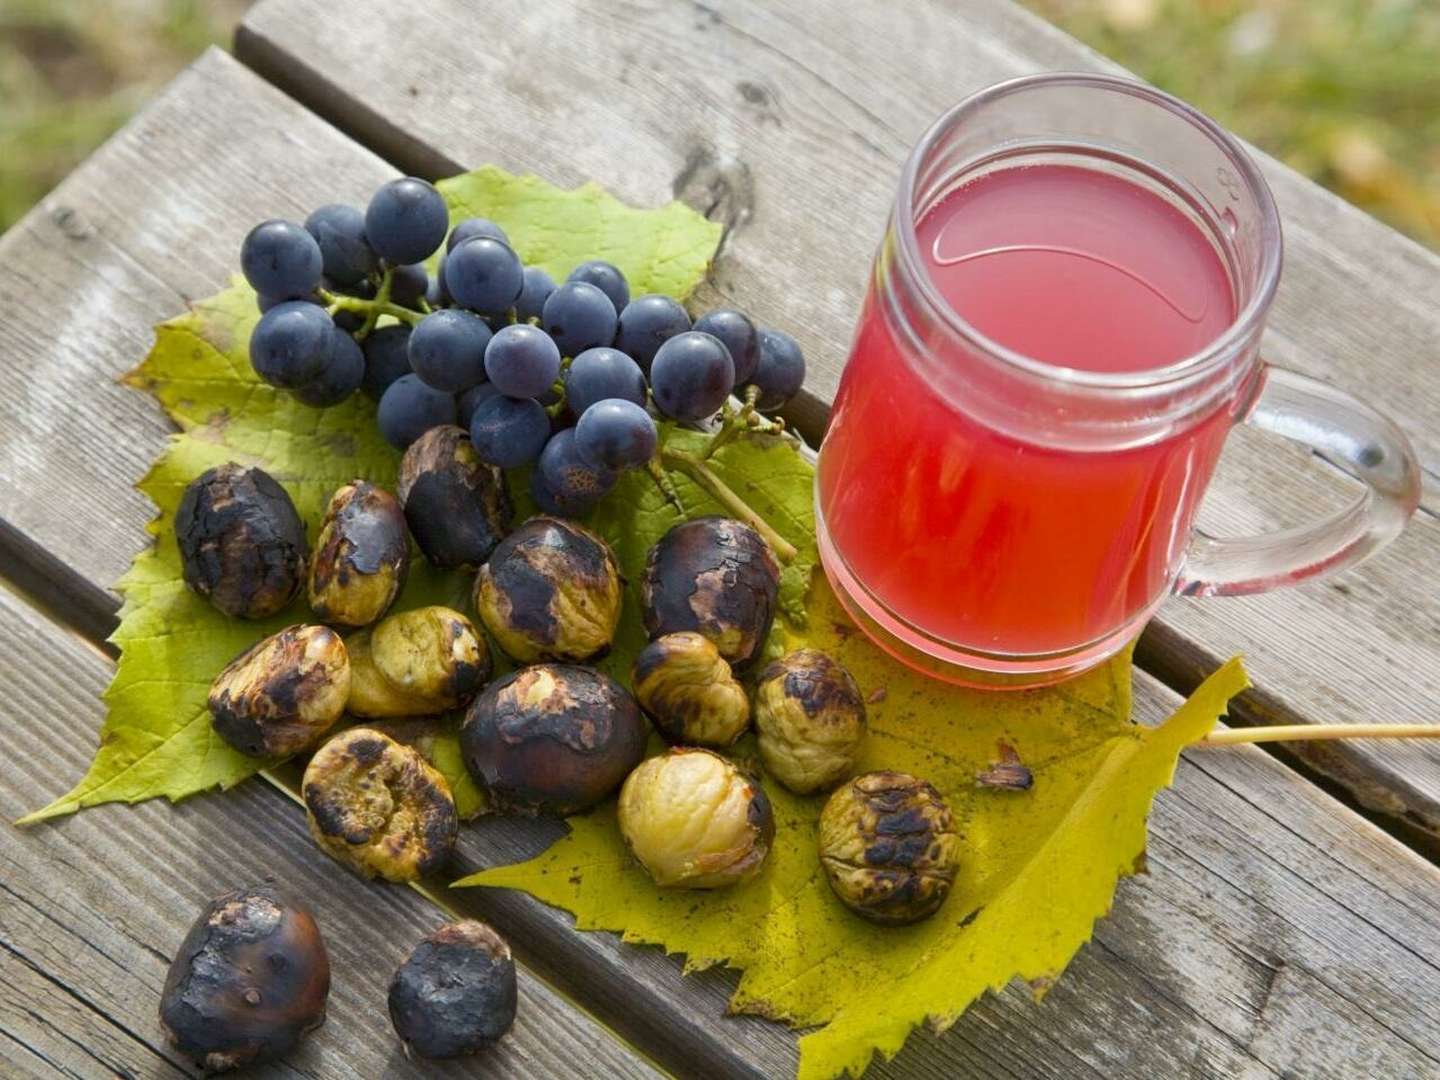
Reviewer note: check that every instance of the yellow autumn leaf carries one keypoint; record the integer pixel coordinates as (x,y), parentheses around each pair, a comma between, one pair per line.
(1040,865)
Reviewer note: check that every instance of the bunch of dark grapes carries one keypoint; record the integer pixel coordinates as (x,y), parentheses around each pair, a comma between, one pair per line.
(565,377)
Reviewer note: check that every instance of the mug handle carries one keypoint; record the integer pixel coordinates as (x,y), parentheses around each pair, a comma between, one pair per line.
(1352,434)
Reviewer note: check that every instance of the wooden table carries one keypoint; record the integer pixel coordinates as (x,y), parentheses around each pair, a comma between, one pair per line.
(1278,932)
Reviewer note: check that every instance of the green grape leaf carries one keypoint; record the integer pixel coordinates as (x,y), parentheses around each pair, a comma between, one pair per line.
(157,738)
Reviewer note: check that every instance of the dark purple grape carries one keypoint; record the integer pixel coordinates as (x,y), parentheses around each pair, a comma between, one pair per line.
(466,403)
(569,475)
(265,303)
(781,371)
(349,321)
(537,289)
(409,408)
(647,323)
(279,258)
(578,316)
(738,334)
(606,277)
(291,343)
(475,226)
(447,349)
(339,230)
(406,221)
(387,357)
(436,295)
(692,376)
(616,433)
(522,361)
(484,275)
(342,375)
(408,284)
(509,432)
(597,374)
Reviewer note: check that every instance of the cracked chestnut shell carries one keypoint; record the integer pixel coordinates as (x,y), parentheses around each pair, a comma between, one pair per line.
(695,820)
(552,739)
(688,691)
(362,556)
(889,847)
(456,505)
(378,806)
(810,719)
(248,982)
(416,663)
(716,576)
(455,993)
(551,590)
(242,545)
(280,695)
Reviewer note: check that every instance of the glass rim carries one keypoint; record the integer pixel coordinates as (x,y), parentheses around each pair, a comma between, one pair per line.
(1214,354)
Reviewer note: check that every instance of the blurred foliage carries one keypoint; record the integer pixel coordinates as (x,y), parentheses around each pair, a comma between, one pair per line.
(1345,91)
(72,71)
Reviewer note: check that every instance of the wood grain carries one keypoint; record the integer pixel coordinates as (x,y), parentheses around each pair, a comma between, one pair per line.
(789,122)
(1253,871)
(92,907)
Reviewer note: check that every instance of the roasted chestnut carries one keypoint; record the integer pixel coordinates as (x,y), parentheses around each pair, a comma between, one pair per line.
(715,576)
(810,719)
(416,663)
(889,847)
(362,556)
(242,545)
(455,993)
(552,739)
(457,506)
(695,821)
(686,688)
(379,807)
(249,981)
(279,696)
(551,590)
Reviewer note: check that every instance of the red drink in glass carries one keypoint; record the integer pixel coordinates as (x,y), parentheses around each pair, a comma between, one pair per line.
(1059,334)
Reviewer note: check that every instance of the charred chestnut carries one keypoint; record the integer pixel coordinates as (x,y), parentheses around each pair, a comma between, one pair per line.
(550,591)
(455,994)
(457,506)
(552,739)
(889,847)
(695,821)
(687,689)
(715,576)
(250,980)
(242,545)
(362,556)
(279,696)
(416,663)
(810,719)
(379,807)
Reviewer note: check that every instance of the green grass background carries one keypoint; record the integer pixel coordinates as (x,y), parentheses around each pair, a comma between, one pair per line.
(1346,91)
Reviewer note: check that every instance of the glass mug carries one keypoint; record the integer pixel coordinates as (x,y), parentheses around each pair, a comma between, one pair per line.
(1062,326)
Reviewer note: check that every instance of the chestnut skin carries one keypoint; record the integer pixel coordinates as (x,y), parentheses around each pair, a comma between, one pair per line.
(810,721)
(456,505)
(281,695)
(552,739)
(242,544)
(455,993)
(551,590)
(249,981)
(362,556)
(715,576)
(378,806)
(889,848)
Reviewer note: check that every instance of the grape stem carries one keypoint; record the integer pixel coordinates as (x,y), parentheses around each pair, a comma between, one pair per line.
(702,474)
(372,309)
(734,423)
(664,483)
(1314,732)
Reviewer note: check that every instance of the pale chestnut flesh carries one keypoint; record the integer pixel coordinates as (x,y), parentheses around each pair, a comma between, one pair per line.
(361,557)
(689,692)
(810,721)
(282,694)
(416,663)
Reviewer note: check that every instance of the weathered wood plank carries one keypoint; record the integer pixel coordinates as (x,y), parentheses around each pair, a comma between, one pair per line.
(1172,980)
(92,907)
(790,123)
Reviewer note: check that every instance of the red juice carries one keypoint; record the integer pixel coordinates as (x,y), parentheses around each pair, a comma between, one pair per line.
(994,543)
